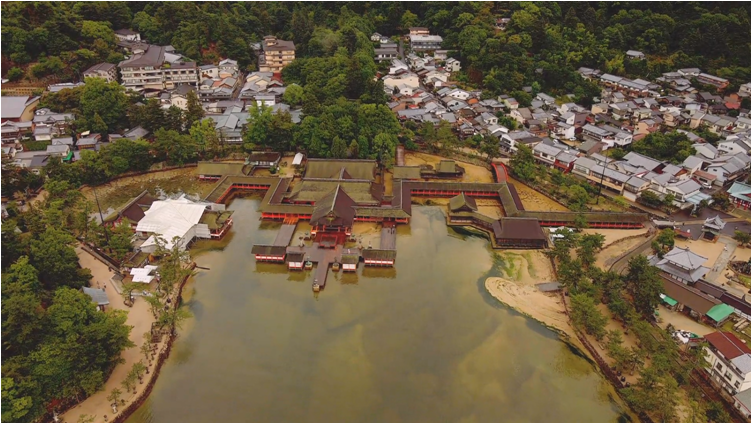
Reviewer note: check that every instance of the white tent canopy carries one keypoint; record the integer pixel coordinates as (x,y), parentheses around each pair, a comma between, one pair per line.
(143,275)
(173,218)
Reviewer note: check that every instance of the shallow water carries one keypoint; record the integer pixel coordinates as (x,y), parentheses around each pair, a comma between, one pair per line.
(420,342)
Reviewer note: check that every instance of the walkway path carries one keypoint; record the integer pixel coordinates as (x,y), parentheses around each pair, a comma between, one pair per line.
(140,318)
(621,264)
(723,259)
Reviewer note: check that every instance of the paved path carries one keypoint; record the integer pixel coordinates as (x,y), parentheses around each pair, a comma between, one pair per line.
(140,318)
(723,259)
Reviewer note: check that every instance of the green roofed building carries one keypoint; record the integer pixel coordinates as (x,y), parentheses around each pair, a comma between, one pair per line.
(720,313)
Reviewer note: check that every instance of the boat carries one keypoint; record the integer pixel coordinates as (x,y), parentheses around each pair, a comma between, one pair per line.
(316,286)
(308,265)
(335,267)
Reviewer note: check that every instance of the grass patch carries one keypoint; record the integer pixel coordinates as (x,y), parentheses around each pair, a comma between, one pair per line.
(509,266)
(35,146)
(745,279)
(530,267)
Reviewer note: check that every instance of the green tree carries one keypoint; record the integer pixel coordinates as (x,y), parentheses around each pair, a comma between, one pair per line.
(666,238)
(586,316)
(194,111)
(15,74)
(523,164)
(108,100)
(205,137)
(53,256)
(293,95)
(644,284)
(409,19)
(741,237)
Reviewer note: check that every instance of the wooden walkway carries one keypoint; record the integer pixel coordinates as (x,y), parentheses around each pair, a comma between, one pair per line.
(388,238)
(400,155)
(284,235)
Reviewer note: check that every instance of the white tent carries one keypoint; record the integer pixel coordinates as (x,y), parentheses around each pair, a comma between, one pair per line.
(142,275)
(298,159)
(173,218)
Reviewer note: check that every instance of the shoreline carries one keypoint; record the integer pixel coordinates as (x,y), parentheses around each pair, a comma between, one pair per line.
(549,311)
(163,355)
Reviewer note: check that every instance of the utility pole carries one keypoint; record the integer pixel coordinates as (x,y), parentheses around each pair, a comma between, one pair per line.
(101,219)
(600,187)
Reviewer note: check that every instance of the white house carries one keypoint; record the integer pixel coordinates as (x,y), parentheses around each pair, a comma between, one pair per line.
(734,144)
(729,360)
(127,35)
(453,65)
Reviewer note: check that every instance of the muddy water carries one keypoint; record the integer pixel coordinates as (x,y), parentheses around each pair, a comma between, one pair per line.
(421,342)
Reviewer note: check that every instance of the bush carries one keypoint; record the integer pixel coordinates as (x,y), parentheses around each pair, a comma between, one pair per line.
(15,74)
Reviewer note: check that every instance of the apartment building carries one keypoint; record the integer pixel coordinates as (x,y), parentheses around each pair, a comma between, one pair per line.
(108,71)
(422,42)
(150,71)
(275,54)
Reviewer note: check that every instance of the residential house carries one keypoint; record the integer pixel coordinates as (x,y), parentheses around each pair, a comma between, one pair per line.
(376,37)
(89,141)
(635,55)
(127,35)
(440,54)
(17,108)
(744,90)
(453,65)
(706,150)
(136,133)
(728,168)
(511,103)
(419,31)
(733,144)
(382,54)
(425,42)
(13,132)
(107,71)
(546,154)
(511,140)
(718,82)
(275,54)
(729,361)
(742,402)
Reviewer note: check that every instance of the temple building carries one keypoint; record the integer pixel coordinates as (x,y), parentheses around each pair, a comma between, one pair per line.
(332,218)
(681,264)
(712,228)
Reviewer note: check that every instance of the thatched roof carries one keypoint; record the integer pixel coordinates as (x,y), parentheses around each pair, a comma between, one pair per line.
(406,172)
(379,254)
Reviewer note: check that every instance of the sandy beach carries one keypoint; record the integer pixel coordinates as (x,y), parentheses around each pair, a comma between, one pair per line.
(518,291)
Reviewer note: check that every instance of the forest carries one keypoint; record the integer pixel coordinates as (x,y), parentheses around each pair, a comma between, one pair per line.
(544,43)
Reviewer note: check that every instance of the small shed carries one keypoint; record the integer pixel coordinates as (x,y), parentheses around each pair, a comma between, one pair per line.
(98,296)
(349,262)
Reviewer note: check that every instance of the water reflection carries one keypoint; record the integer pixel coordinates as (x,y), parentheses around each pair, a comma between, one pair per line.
(421,342)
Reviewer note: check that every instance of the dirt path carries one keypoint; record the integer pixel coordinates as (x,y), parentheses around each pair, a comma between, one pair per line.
(140,318)
(473,173)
